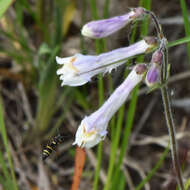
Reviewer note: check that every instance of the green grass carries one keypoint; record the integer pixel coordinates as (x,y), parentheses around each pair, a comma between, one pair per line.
(100,47)
(178,42)
(8,179)
(114,168)
(186,23)
(187,184)
(4,5)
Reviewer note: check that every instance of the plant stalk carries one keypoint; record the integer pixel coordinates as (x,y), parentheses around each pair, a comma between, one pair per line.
(166,99)
(171,129)
(167,102)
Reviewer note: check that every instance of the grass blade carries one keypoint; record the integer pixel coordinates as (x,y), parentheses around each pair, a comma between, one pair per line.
(114,147)
(48,86)
(11,176)
(132,106)
(153,171)
(187,184)
(186,24)
(4,167)
(100,47)
(48,82)
(179,42)
(4,5)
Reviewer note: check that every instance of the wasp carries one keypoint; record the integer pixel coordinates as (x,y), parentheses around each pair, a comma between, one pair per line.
(52,146)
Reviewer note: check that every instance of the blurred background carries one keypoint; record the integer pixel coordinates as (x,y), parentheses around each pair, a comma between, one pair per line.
(34,107)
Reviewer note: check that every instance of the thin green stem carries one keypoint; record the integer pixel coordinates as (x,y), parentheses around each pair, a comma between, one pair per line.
(171,129)
(3,133)
(156,22)
(187,184)
(186,23)
(167,101)
(114,147)
(106,8)
(98,166)
(100,47)
(154,170)
(131,111)
(126,134)
(170,121)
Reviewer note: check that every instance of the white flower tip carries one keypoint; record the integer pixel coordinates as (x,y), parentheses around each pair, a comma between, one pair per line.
(59,60)
(62,84)
(65,60)
(59,71)
(87,139)
(86,31)
(73,83)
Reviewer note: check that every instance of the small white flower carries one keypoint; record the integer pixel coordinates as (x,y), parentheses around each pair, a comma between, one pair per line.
(93,128)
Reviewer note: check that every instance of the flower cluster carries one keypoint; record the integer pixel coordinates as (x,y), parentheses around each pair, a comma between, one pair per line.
(79,69)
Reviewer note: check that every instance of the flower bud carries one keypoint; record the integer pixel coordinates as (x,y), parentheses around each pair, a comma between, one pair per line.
(79,69)
(93,128)
(103,28)
(153,74)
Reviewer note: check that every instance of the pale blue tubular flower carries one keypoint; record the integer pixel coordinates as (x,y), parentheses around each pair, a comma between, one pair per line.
(93,128)
(103,28)
(153,74)
(79,69)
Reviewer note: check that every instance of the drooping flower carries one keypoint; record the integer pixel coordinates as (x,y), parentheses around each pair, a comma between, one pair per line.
(153,74)
(93,128)
(79,69)
(103,28)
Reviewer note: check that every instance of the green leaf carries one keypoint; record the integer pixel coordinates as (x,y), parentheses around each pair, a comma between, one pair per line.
(4,5)
(47,92)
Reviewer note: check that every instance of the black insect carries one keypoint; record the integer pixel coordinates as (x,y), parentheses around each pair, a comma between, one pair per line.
(52,146)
